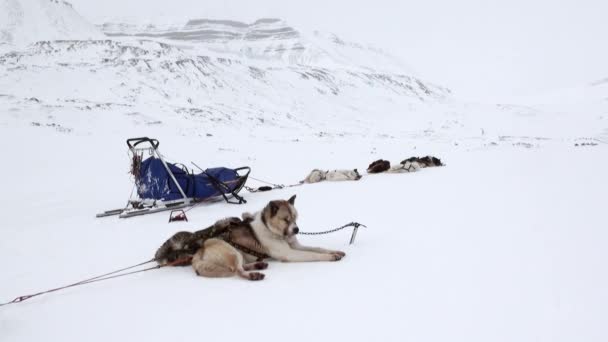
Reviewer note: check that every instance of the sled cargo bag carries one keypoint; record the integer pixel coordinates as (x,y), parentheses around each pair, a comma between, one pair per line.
(154,182)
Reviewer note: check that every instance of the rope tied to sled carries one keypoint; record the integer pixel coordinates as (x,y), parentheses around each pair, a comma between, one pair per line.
(102,277)
(269,186)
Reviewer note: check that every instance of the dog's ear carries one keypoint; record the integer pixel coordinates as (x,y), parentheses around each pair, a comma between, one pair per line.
(274,208)
(292,199)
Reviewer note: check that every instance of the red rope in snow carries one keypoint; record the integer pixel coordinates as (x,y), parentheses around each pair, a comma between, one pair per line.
(105,276)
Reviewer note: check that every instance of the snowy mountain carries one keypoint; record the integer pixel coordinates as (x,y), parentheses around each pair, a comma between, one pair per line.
(266,39)
(217,75)
(214,72)
(27,21)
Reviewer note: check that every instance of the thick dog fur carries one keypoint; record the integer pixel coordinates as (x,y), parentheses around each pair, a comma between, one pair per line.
(378,166)
(317,175)
(428,161)
(274,230)
(408,165)
(184,244)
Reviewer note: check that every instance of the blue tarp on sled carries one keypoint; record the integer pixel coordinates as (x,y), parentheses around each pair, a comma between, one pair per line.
(155,182)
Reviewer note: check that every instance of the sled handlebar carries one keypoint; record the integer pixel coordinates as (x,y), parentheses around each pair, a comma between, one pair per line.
(247,168)
(133,142)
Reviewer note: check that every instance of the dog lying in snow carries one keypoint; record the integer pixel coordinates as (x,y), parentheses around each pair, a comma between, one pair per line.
(238,247)
(379,166)
(414,164)
(317,175)
(405,166)
(408,165)
(427,161)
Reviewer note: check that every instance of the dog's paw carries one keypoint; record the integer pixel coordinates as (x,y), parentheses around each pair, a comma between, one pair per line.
(256,276)
(260,265)
(336,256)
(340,253)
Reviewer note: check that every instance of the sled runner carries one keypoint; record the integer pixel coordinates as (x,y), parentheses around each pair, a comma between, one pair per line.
(167,186)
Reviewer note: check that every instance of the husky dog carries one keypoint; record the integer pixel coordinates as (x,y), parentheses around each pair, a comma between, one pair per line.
(378,166)
(272,232)
(405,166)
(428,161)
(342,175)
(414,164)
(317,175)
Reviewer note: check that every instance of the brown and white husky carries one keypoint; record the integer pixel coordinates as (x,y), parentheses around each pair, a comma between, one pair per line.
(272,232)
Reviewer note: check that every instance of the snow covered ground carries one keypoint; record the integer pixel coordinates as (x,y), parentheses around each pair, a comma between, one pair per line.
(504,243)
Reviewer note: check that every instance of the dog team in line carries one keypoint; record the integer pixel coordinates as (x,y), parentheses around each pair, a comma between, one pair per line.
(412,164)
(240,246)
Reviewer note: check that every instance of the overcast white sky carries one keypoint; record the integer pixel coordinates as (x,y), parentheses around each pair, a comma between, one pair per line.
(480,48)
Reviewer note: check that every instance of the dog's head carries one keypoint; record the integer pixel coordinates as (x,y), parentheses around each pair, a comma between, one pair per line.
(430,161)
(280,217)
(436,161)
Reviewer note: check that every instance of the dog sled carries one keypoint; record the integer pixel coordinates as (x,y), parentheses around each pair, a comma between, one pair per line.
(165,186)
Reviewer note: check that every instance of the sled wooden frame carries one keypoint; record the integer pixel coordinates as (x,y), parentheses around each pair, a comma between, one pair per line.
(139,208)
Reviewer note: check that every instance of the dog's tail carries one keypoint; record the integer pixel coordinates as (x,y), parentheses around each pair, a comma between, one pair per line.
(172,249)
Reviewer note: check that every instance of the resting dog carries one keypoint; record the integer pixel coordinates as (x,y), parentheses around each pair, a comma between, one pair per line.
(414,164)
(379,166)
(317,175)
(238,247)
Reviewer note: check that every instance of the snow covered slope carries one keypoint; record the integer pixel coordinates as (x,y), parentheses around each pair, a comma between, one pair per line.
(27,21)
(267,39)
(139,75)
(214,71)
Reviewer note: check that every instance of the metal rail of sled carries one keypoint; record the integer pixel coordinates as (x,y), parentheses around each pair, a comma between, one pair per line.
(126,213)
(177,204)
(132,212)
(112,212)
(145,211)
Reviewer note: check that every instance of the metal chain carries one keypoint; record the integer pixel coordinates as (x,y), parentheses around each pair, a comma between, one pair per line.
(352,224)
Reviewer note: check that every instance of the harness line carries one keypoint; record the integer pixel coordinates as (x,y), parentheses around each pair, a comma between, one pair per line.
(117,273)
(105,276)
